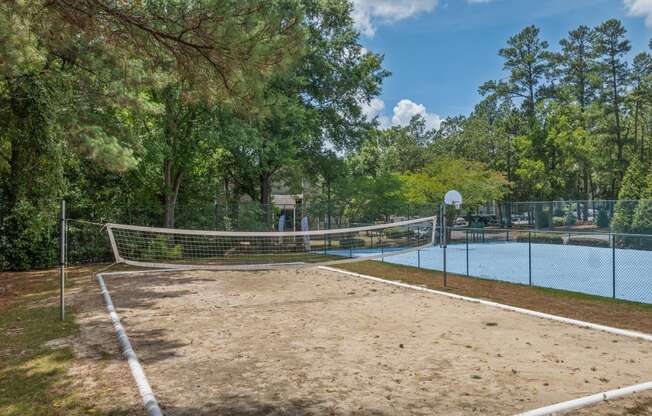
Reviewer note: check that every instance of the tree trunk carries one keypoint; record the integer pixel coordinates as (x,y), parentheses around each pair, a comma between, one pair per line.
(636,111)
(172,185)
(266,197)
(619,143)
(587,193)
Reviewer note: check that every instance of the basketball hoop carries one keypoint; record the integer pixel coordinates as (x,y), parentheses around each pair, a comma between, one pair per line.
(453,198)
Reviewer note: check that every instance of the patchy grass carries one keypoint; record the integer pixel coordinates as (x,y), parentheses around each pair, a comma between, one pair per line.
(618,313)
(34,377)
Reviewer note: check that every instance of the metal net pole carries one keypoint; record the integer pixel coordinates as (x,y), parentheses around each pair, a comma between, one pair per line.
(62,261)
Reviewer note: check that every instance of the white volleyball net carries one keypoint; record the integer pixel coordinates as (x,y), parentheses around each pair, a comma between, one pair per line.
(233,250)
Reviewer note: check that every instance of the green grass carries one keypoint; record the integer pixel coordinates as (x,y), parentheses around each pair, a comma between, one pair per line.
(586,296)
(34,379)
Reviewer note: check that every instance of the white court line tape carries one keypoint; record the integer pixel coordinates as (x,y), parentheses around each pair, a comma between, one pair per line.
(146,393)
(558,407)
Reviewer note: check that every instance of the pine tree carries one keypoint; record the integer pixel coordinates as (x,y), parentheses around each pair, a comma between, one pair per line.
(612,48)
(526,59)
(577,64)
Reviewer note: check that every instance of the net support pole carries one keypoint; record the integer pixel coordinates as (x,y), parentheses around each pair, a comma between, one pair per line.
(62,260)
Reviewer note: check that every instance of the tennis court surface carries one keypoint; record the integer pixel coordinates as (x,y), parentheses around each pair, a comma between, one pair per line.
(568,267)
(317,342)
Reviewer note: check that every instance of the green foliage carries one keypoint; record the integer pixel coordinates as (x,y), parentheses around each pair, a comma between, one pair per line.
(642,218)
(107,106)
(570,219)
(634,184)
(351,242)
(540,238)
(473,180)
(526,59)
(602,221)
(163,248)
(29,237)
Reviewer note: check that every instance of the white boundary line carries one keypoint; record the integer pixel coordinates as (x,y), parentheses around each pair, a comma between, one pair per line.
(588,400)
(558,407)
(146,394)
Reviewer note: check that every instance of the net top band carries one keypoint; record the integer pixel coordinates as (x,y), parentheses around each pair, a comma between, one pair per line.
(270,233)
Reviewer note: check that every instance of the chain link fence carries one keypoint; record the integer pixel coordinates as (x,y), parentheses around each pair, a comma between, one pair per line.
(626,216)
(582,254)
(615,265)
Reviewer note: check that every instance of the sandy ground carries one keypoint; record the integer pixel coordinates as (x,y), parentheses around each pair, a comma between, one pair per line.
(313,342)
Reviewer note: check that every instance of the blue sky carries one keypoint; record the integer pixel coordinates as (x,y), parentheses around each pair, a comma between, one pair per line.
(440,51)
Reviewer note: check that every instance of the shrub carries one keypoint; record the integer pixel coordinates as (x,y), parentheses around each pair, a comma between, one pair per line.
(394,233)
(570,219)
(542,216)
(602,220)
(589,242)
(351,242)
(29,238)
(540,238)
(163,247)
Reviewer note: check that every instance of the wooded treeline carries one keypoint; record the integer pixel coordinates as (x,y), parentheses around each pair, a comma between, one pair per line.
(160,105)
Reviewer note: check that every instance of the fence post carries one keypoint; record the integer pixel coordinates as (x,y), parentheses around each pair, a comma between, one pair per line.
(613,265)
(467,253)
(418,247)
(445,276)
(529,257)
(62,261)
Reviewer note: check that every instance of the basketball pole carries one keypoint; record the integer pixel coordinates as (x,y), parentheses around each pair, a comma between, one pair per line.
(443,239)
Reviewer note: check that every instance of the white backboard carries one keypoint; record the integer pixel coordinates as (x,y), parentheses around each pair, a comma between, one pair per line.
(453,198)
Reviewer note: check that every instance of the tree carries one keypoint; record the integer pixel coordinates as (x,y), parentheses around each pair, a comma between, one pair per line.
(33,174)
(577,65)
(317,102)
(526,60)
(633,188)
(611,48)
(474,180)
(640,96)
(228,48)
(642,218)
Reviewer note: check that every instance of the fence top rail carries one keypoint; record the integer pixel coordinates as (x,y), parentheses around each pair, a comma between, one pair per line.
(566,232)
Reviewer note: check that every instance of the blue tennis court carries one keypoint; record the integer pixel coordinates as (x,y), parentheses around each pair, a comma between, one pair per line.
(569,267)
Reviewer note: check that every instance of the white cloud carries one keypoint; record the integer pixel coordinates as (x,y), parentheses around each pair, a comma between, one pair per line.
(640,8)
(374,108)
(406,109)
(402,113)
(367,12)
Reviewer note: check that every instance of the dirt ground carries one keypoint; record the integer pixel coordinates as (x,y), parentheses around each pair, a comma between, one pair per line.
(316,342)
(605,311)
